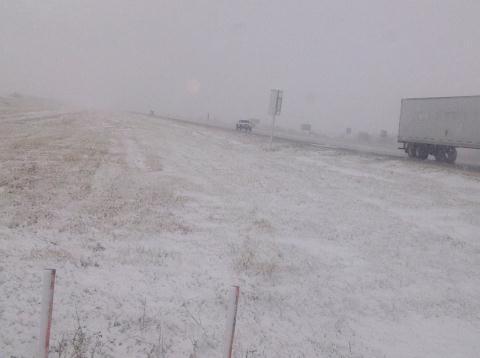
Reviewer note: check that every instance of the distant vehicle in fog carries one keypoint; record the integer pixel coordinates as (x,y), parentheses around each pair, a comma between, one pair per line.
(306,128)
(244,124)
(438,126)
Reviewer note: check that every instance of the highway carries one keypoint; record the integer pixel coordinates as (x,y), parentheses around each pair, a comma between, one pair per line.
(468,160)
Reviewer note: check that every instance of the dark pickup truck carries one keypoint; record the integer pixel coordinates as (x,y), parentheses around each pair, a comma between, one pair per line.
(244,124)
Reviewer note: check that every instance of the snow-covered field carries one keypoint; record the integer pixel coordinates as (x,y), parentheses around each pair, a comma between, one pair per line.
(149,222)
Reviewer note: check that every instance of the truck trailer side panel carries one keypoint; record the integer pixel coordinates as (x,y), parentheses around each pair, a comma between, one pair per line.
(450,121)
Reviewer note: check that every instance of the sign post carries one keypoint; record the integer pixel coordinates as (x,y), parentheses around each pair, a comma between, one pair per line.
(275,108)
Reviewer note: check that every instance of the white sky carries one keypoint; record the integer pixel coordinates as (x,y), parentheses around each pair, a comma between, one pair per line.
(341,63)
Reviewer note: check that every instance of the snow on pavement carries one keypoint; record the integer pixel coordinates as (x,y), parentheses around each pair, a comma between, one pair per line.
(149,222)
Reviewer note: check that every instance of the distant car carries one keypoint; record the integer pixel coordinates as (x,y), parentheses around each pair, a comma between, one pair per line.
(244,124)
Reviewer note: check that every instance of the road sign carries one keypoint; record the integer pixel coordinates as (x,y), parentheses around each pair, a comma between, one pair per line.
(276,98)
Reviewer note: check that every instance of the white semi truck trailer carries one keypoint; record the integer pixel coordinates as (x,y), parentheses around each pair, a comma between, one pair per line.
(438,126)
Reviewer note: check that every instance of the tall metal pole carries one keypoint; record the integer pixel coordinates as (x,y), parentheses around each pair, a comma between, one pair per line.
(275,111)
(273,130)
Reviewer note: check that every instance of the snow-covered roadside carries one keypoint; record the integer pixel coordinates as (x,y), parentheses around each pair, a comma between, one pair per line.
(150,221)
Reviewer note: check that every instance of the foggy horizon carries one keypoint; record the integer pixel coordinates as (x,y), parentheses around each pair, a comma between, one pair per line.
(340,64)
(239,178)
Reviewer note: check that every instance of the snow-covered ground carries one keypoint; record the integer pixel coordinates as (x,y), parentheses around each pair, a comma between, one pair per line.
(149,222)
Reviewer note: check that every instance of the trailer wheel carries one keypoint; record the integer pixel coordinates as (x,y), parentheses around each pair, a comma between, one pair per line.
(440,154)
(421,151)
(450,154)
(411,151)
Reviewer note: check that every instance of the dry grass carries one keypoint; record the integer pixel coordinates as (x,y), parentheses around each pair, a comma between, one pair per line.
(144,255)
(254,257)
(56,254)
(80,343)
(263,225)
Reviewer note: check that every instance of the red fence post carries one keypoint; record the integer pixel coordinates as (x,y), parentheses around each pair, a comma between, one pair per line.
(46,312)
(231,320)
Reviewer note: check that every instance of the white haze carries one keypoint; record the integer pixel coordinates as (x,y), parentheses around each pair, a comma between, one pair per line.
(341,63)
